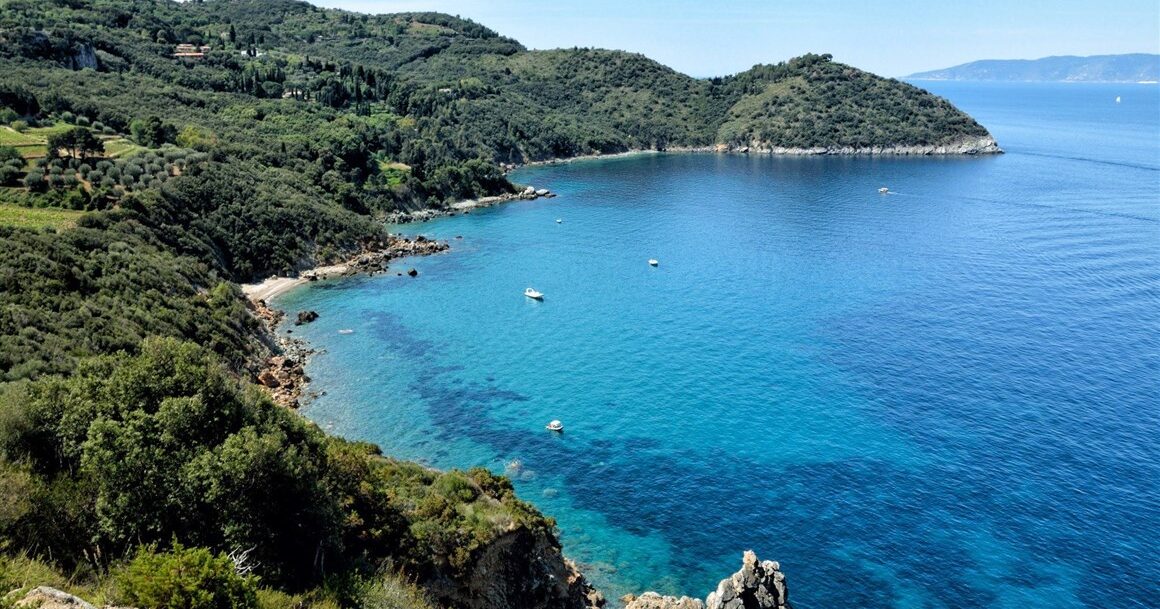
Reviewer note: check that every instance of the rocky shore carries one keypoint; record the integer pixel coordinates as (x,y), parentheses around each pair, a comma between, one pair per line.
(966,146)
(282,373)
(529,193)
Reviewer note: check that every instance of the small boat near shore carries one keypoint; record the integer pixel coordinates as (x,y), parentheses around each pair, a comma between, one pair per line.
(346,331)
(533,294)
(653,262)
(883,190)
(555,426)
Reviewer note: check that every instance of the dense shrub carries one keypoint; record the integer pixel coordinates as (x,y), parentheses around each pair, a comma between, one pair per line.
(185,578)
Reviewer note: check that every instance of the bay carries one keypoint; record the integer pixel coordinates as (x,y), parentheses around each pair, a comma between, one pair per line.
(945,395)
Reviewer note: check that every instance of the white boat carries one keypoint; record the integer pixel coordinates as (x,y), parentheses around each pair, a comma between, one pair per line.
(533,294)
(346,331)
(1117,99)
(559,220)
(555,426)
(653,262)
(883,190)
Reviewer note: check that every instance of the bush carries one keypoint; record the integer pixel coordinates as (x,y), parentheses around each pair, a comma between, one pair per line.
(9,175)
(35,181)
(185,578)
(19,126)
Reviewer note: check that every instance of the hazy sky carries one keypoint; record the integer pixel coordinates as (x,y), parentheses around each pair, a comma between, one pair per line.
(889,37)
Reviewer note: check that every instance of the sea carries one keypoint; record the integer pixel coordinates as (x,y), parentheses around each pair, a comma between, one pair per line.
(943,396)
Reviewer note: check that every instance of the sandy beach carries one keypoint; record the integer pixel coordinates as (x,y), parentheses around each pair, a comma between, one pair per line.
(274,286)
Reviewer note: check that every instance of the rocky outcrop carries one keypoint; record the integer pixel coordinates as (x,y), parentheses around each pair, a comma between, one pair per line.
(84,57)
(519,569)
(758,585)
(527,194)
(45,597)
(652,600)
(962,146)
(305,317)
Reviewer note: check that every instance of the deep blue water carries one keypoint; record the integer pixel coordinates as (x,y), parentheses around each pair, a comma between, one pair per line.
(946,396)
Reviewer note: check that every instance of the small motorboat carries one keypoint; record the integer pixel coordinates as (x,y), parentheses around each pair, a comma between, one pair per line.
(533,294)
(883,190)
(653,262)
(556,426)
(346,331)
(559,220)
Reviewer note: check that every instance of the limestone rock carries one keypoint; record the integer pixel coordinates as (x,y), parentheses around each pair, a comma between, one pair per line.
(652,600)
(45,597)
(305,317)
(758,585)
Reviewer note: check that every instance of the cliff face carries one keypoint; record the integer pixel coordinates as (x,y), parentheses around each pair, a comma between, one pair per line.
(520,569)
(758,585)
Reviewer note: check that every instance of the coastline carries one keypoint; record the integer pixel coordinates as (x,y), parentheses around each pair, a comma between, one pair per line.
(275,285)
(282,371)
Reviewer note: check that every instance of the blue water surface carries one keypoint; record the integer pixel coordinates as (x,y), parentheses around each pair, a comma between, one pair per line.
(944,396)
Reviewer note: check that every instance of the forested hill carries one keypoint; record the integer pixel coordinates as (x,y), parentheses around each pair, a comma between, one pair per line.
(1133,67)
(154,153)
(421,95)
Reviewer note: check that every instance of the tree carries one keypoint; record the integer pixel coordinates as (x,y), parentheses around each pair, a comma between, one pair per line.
(78,141)
(151,132)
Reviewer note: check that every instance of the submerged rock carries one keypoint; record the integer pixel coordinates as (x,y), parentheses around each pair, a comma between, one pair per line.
(413,273)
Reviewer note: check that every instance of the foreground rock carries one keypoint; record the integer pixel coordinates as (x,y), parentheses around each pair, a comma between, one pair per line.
(758,585)
(520,569)
(44,597)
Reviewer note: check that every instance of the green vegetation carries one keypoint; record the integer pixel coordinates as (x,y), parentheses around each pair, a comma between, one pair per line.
(167,445)
(140,180)
(185,578)
(25,217)
(813,102)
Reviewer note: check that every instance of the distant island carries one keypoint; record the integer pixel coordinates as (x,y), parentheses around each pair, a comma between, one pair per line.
(1133,67)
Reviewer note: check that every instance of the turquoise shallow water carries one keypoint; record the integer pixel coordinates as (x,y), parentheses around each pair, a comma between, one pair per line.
(939,397)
